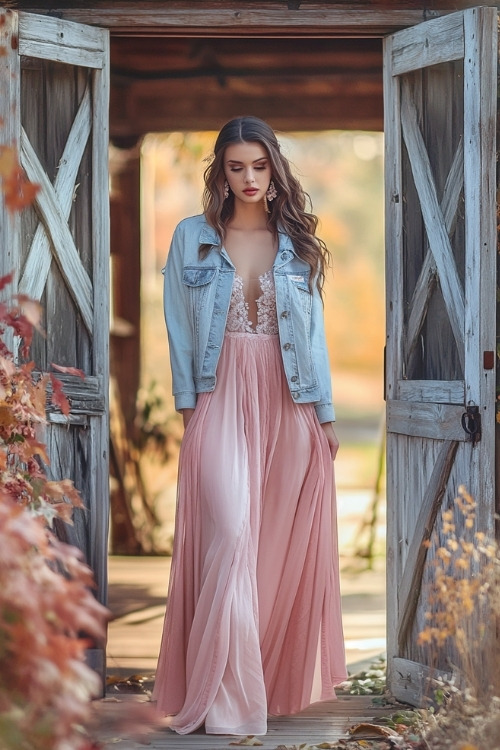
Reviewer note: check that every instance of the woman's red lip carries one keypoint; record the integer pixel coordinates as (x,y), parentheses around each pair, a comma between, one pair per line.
(251,190)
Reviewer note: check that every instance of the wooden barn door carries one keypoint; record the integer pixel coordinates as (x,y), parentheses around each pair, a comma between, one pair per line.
(440,110)
(57,113)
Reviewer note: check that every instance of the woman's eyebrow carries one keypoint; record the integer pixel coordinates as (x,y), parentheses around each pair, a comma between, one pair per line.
(233,161)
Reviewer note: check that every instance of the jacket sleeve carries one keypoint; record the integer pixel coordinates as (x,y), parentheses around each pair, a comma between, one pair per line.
(178,317)
(324,407)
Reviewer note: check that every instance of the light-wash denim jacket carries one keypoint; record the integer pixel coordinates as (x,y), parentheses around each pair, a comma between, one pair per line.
(196,301)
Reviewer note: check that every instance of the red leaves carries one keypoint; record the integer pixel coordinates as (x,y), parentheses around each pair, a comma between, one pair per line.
(58,398)
(45,686)
(45,588)
(69,370)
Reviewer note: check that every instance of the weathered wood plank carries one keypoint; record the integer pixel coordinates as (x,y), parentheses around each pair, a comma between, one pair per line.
(413,682)
(394,316)
(427,279)
(198,18)
(394,225)
(99,498)
(85,396)
(60,41)
(438,40)
(36,269)
(433,217)
(10,135)
(67,256)
(480,107)
(327,721)
(429,420)
(440,391)
(411,581)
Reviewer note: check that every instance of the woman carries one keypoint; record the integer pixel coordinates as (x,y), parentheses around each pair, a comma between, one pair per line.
(253,622)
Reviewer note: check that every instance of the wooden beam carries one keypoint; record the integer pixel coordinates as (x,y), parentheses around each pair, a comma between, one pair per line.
(259,19)
(441,40)
(421,419)
(297,84)
(341,112)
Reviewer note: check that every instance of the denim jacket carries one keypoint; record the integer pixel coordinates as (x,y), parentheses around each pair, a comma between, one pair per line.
(196,300)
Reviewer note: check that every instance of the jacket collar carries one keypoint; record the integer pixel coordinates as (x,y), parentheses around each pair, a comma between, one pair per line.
(208,236)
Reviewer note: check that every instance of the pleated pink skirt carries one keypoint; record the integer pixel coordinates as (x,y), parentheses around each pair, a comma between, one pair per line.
(253,623)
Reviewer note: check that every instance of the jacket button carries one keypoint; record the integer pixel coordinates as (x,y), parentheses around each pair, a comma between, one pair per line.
(284,314)
(286,347)
(294,378)
(296,395)
(284,255)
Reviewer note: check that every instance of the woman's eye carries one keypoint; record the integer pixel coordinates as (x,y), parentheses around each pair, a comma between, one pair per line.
(235,169)
(259,169)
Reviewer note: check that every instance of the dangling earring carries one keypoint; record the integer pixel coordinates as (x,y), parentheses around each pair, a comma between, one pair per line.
(271,192)
(226,189)
(269,195)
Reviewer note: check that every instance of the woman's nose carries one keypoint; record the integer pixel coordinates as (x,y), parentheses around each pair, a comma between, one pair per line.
(249,176)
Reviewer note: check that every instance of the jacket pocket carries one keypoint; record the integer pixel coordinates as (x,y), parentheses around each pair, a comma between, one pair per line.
(300,292)
(194,277)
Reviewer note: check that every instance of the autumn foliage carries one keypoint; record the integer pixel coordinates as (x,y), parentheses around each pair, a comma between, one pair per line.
(46,600)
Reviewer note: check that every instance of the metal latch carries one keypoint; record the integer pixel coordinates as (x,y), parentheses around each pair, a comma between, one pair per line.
(471,422)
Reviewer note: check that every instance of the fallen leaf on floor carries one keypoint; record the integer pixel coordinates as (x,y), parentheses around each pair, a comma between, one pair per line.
(250,740)
(367,731)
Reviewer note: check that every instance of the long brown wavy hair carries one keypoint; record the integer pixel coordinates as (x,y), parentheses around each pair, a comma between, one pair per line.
(287,212)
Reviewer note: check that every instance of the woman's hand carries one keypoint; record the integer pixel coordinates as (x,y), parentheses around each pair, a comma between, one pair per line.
(331,437)
(186,416)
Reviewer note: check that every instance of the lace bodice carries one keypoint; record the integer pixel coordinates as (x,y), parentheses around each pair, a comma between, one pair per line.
(267,320)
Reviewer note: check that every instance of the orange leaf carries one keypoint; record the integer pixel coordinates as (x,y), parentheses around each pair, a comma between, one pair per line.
(367,731)
(31,308)
(69,370)
(8,160)
(58,398)
(19,192)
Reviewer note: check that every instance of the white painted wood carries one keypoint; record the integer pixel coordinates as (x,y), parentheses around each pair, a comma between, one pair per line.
(430,420)
(433,217)
(61,41)
(427,278)
(55,224)
(480,112)
(436,41)
(440,391)
(36,268)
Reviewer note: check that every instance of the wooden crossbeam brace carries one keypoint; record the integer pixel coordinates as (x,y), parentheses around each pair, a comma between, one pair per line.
(426,280)
(439,242)
(54,220)
(411,582)
(37,266)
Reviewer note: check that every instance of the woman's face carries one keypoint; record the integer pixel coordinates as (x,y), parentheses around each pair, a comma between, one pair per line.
(248,171)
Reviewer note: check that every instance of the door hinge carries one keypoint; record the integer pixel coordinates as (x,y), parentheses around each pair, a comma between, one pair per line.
(471,422)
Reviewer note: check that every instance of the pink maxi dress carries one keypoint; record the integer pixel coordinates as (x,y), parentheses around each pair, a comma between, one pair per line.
(253,623)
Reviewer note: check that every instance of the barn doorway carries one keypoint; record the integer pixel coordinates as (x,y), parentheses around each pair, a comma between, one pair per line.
(338,155)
